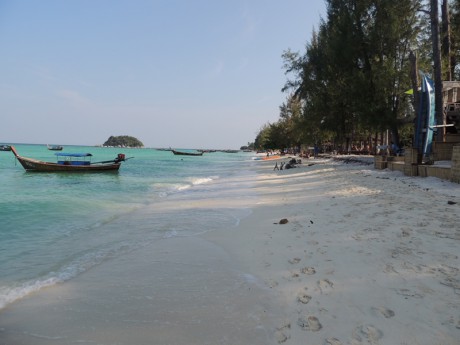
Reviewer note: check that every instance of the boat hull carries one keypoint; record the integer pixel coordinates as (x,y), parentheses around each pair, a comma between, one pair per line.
(5,148)
(180,153)
(39,166)
(34,165)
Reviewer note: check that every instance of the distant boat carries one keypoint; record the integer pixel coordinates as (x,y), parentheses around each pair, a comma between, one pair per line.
(230,151)
(207,151)
(5,148)
(70,162)
(267,158)
(54,147)
(185,153)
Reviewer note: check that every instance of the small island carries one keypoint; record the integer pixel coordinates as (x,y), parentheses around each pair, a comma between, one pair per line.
(123,141)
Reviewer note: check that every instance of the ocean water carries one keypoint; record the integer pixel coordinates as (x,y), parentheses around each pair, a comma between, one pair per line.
(56,226)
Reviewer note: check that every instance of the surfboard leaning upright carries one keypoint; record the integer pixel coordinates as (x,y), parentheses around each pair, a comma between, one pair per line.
(430,119)
(426,121)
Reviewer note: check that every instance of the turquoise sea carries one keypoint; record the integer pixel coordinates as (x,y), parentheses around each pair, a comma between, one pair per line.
(55,226)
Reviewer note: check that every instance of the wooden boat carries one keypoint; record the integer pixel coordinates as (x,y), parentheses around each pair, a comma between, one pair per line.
(183,153)
(230,151)
(5,148)
(70,162)
(54,147)
(267,158)
(207,151)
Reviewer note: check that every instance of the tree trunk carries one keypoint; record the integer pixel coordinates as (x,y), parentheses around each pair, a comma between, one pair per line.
(446,46)
(414,81)
(437,69)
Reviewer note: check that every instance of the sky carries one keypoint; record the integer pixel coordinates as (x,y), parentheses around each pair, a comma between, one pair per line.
(172,73)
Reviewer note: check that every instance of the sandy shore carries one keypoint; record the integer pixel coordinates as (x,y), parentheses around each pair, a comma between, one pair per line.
(366,257)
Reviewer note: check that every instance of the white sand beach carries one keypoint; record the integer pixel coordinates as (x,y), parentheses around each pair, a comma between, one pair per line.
(366,257)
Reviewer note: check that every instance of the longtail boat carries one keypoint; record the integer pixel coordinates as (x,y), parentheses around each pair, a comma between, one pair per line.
(70,162)
(5,148)
(185,153)
(54,147)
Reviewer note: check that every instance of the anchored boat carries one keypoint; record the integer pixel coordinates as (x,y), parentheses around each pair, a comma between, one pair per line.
(54,147)
(186,153)
(70,162)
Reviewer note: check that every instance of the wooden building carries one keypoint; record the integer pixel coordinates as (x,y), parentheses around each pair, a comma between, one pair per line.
(451,103)
(446,153)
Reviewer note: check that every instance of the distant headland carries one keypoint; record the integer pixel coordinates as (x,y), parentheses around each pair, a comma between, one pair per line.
(123,141)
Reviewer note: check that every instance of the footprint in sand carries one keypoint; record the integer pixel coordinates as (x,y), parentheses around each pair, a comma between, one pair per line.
(325,285)
(309,323)
(294,274)
(308,270)
(302,297)
(294,261)
(387,313)
(368,333)
(406,232)
(408,293)
(389,269)
(281,337)
(281,333)
(332,341)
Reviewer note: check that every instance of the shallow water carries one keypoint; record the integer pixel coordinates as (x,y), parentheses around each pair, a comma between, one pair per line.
(55,226)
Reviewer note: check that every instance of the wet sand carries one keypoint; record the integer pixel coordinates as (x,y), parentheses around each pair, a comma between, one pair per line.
(176,291)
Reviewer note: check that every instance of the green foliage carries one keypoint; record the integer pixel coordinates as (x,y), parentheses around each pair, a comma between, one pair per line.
(249,146)
(123,141)
(455,38)
(262,138)
(351,80)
